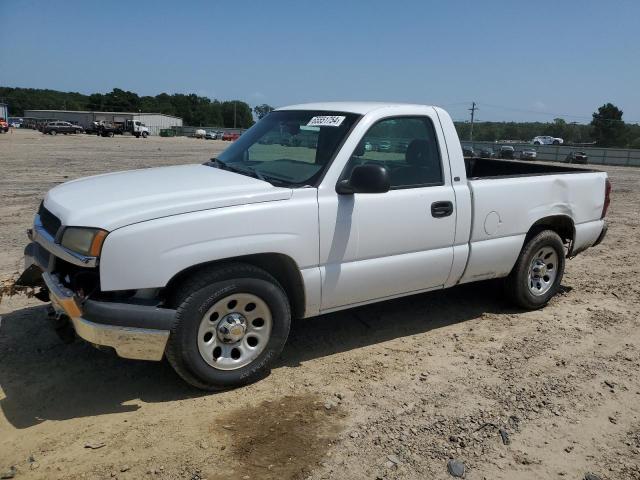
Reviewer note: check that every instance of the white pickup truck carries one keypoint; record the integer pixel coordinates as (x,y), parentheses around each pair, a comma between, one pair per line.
(208,264)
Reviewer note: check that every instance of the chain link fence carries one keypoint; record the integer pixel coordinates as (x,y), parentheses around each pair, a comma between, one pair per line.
(558,153)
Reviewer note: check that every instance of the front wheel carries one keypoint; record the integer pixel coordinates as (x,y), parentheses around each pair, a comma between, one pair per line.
(53,132)
(537,274)
(231,324)
(144,134)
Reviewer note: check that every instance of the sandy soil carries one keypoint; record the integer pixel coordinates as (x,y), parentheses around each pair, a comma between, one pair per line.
(388,391)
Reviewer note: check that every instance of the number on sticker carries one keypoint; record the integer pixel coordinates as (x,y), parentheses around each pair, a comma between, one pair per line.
(326,121)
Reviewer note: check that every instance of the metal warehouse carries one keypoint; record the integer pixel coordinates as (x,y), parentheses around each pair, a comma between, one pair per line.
(155,121)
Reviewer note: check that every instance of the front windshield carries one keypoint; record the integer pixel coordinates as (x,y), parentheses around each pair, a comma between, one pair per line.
(289,147)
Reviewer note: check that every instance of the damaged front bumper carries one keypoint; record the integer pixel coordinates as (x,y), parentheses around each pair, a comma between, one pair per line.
(134,330)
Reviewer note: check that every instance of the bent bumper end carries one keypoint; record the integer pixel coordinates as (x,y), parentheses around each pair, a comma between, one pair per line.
(134,343)
(605,227)
(128,341)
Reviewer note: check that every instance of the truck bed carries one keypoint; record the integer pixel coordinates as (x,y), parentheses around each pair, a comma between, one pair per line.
(478,168)
(510,196)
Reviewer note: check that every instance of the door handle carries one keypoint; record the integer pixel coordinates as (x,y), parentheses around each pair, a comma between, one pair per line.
(441,209)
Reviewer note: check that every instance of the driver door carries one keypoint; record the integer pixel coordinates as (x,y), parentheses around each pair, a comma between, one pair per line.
(376,246)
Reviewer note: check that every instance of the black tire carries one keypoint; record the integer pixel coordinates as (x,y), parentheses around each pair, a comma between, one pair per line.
(517,283)
(53,132)
(555,142)
(199,293)
(144,134)
(78,132)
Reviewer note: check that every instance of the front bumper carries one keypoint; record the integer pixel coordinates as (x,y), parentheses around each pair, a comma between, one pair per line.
(134,331)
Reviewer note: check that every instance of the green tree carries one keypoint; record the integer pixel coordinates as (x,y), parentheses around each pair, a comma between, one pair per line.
(557,129)
(262,110)
(608,127)
(236,114)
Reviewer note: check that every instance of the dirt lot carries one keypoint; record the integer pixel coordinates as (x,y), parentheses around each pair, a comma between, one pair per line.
(388,391)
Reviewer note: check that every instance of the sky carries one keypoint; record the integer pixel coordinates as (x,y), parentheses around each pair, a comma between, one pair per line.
(519,60)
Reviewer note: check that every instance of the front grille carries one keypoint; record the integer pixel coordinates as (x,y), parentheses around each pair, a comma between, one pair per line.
(50,222)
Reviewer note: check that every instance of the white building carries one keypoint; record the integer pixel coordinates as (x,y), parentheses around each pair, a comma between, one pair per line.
(155,121)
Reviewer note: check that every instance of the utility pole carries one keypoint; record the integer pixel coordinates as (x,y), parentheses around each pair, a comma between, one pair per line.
(234,114)
(473,111)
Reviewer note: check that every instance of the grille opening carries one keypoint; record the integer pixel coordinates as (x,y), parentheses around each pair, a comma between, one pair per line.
(50,222)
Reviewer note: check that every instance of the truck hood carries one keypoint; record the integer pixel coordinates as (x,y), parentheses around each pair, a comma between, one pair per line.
(118,199)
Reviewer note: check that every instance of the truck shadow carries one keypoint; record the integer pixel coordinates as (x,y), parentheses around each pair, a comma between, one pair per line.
(379,322)
(43,379)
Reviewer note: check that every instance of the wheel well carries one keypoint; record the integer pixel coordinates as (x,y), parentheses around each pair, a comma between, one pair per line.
(561,224)
(283,268)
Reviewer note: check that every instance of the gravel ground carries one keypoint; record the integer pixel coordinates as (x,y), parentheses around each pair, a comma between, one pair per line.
(392,391)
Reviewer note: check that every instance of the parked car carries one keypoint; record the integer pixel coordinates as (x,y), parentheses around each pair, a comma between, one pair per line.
(468,152)
(401,146)
(232,136)
(383,146)
(208,264)
(507,152)
(528,154)
(211,135)
(53,128)
(577,157)
(486,152)
(4,125)
(108,129)
(200,133)
(547,140)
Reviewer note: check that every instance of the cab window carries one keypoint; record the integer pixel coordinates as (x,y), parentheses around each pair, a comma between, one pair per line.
(407,147)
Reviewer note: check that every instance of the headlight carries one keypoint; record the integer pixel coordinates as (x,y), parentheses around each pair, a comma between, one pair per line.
(85,241)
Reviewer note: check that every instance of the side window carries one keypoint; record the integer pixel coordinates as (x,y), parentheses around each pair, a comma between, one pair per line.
(407,147)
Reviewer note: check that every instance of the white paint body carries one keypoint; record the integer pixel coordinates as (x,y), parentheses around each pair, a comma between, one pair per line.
(349,249)
(547,140)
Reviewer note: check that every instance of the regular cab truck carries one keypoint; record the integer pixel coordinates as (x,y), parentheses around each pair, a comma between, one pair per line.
(208,264)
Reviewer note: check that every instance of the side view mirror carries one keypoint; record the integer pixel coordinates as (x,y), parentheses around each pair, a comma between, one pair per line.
(365,179)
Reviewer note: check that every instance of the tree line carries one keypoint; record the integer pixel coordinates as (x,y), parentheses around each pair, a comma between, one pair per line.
(195,110)
(607,129)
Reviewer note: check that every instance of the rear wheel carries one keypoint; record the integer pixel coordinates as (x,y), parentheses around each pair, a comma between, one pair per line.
(53,132)
(232,322)
(538,271)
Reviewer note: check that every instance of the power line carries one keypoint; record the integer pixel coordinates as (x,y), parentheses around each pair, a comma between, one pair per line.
(520,110)
(473,111)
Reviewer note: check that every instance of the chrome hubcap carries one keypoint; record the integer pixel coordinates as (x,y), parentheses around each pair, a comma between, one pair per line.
(232,327)
(234,331)
(543,271)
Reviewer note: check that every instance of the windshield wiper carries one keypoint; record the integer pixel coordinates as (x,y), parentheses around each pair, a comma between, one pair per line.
(246,170)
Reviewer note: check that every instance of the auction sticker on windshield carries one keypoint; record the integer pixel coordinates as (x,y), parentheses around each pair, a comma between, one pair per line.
(326,121)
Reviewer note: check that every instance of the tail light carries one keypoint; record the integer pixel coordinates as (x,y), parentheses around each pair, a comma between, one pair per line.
(607,197)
